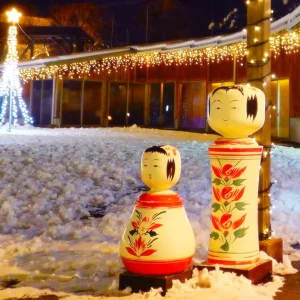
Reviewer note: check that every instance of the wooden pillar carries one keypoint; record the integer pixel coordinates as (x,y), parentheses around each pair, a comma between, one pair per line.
(127,102)
(259,75)
(176,105)
(53,100)
(105,103)
(161,103)
(57,95)
(31,51)
(82,102)
(147,110)
(234,67)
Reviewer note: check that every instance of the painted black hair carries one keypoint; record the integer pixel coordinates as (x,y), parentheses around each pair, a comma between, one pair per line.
(227,88)
(171,163)
(252,105)
(158,149)
(170,169)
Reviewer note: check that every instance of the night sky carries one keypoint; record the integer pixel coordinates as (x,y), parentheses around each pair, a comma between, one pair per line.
(189,19)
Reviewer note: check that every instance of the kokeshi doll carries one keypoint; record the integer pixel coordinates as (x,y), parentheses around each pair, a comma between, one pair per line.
(158,239)
(235,112)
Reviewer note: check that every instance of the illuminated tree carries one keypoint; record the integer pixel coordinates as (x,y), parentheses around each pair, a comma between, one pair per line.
(10,86)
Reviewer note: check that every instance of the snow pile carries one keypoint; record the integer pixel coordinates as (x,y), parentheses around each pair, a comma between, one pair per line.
(55,183)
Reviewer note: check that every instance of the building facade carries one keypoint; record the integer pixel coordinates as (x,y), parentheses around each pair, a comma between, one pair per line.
(161,85)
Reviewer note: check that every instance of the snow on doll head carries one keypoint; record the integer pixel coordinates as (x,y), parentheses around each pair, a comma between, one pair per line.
(160,167)
(236,111)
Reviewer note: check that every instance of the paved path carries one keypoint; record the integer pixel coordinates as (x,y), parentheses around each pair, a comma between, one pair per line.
(291,288)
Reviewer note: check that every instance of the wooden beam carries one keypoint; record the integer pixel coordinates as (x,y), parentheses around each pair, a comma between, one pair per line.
(60,44)
(259,75)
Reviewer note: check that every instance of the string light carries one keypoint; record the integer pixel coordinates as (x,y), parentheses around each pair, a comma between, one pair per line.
(10,88)
(288,42)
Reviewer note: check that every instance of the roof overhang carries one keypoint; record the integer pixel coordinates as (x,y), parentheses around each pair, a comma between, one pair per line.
(286,23)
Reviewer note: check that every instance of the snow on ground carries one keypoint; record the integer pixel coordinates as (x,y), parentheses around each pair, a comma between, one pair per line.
(53,181)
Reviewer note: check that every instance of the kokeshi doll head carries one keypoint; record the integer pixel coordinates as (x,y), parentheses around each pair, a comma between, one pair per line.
(160,167)
(236,111)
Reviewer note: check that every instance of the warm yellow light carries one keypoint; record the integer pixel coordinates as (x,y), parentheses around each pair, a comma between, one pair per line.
(248,2)
(244,30)
(273,76)
(255,40)
(13,16)
(288,42)
(257,28)
(109,118)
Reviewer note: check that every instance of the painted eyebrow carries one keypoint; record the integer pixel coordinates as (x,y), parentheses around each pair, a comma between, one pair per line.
(233,100)
(217,101)
(156,159)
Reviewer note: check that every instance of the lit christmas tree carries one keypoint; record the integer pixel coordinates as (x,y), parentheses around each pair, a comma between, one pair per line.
(10,87)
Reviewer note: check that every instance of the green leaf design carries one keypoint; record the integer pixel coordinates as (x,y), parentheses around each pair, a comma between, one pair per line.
(152,233)
(133,232)
(238,182)
(241,205)
(214,235)
(240,232)
(216,207)
(226,204)
(225,246)
(217,181)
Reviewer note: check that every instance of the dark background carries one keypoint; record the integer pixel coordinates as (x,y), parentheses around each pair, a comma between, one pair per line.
(167,19)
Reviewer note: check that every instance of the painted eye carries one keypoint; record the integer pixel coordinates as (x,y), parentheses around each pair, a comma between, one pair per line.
(155,166)
(145,165)
(218,107)
(234,107)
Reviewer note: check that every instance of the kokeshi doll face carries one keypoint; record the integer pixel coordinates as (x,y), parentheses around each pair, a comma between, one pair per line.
(236,111)
(160,167)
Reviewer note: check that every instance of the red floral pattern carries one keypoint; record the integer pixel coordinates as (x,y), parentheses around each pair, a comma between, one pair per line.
(143,235)
(145,224)
(228,191)
(228,172)
(225,222)
(139,248)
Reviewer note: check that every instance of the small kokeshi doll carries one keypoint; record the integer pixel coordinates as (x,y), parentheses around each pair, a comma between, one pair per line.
(235,112)
(158,239)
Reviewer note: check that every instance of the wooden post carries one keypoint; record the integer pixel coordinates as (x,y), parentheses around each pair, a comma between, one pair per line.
(259,75)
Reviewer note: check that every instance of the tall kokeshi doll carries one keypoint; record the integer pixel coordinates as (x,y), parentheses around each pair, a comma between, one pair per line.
(235,112)
(158,239)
